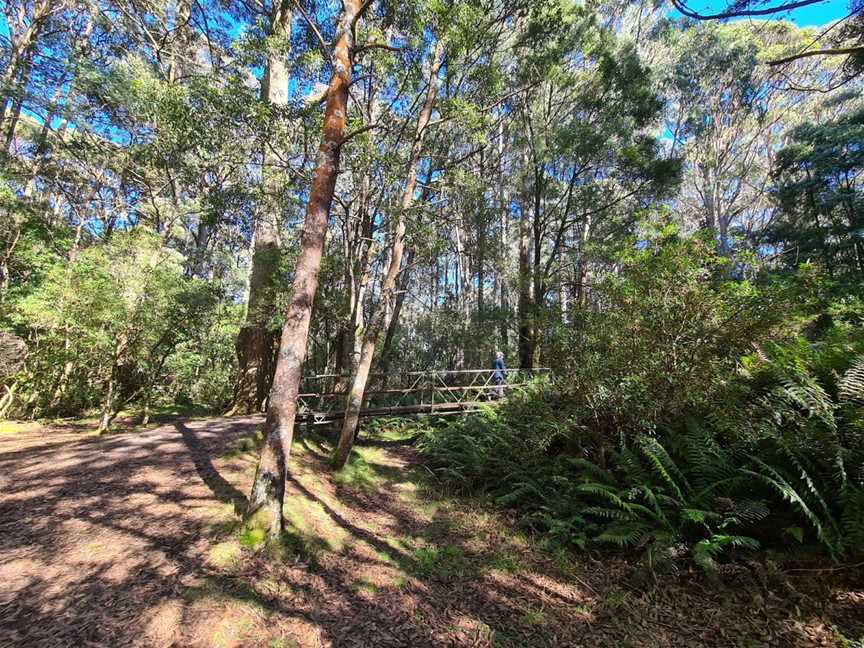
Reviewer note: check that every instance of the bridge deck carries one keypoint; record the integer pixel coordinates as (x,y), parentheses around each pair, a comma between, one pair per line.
(439,392)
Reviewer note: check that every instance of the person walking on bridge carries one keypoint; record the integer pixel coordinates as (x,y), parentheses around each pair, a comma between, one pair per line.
(498,369)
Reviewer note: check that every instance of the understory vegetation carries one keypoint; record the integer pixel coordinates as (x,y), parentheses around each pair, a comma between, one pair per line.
(728,415)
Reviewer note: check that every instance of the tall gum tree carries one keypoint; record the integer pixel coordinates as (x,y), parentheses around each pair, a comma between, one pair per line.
(268,489)
(256,341)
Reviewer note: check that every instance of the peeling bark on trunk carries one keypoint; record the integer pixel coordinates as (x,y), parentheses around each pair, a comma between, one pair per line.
(255,346)
(268,489)
(379,319)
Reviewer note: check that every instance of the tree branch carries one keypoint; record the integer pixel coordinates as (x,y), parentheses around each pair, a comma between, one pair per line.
(372,46)
(324,49)
(786,6)
(838,51)
(360,131)
(363,8)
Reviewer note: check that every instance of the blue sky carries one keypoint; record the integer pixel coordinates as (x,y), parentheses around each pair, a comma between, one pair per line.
(811,15)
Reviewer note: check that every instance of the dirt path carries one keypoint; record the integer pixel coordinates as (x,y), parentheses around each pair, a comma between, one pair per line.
(132,540)
(99,536)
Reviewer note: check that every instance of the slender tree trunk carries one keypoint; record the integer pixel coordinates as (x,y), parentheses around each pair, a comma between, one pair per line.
(525,315)
(268,490)
(463,291)
(387,349)
(18,103)
(108,405)
(503,252)
(256,341)
(361,375)
(7,254)
(23,43)
(402,290)
(7,400)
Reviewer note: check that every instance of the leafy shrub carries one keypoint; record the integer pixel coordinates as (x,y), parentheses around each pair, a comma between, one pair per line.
(122,311)
(666,333)
(667,430)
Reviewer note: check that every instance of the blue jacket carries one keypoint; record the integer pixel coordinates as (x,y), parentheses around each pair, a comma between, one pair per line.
(498,366)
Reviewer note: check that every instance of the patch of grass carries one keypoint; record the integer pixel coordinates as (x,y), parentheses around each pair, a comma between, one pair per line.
(504,563)
(562,560)
(253,537)
(306,547)
(361,584)
(445,563)
(223,589)
(225,554)
(308,521)
(94,548)
(17,427)
(225,521)
(246,445)
(357,473)
(282,643)
(616,598)
(389,429)
(533,618)
(232,629)
(365,471)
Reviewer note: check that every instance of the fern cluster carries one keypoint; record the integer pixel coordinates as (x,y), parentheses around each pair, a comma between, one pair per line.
(784,466)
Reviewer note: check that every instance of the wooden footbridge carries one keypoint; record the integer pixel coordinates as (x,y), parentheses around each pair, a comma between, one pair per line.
(439,392)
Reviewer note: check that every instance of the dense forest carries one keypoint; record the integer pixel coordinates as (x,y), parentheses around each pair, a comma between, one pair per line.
(202,202)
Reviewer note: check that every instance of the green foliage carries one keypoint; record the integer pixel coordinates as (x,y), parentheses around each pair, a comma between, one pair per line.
(672,328)
(123,311)
(666,430)
(820,193)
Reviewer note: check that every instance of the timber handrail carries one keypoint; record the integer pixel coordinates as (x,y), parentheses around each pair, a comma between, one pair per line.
(424,392)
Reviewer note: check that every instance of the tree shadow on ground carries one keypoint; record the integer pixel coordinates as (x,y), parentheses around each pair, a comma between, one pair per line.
(122,541)
(218,485)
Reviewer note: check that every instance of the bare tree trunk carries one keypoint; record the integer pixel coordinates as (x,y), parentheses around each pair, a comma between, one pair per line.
(503,252)
(463,289)
(108,406)
(256,342)
(18,102)
(7,254)
(7,399)
(402,289)
(361,375)
(22,39)
(268,489)
(387,349)
(525,307)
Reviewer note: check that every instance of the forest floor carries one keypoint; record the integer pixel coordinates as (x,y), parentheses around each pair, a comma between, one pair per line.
(133,539)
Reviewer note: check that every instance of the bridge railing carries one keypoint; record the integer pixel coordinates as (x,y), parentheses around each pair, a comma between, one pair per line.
(442,391)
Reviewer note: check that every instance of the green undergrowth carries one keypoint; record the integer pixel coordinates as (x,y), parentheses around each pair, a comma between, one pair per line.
(16,427)
(780,467)
(456,538)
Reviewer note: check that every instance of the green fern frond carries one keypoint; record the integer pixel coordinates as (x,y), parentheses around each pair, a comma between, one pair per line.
(852,517)
(608,513)
(591,471)
(778,483)
(850,388)
(663,466)
(625,534)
